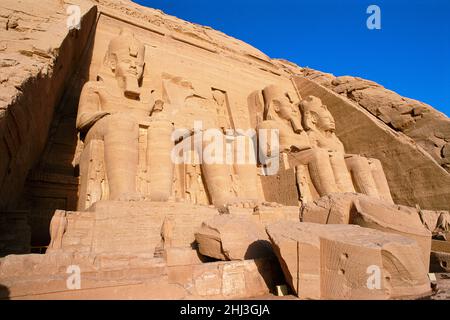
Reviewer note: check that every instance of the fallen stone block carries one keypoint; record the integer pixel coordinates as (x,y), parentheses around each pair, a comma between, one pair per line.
(331,209)
(369,212)
(348,262)
(402,220)
(233,237)
(234,279)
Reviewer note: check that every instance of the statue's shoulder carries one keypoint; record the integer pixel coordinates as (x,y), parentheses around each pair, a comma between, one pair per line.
(93,86)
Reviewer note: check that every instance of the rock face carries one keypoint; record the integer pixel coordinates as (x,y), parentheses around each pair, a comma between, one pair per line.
(337,261)
(38,56)
(129,148)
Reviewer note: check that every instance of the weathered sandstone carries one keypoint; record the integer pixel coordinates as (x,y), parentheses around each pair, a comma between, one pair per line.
(230,237)
(336,261)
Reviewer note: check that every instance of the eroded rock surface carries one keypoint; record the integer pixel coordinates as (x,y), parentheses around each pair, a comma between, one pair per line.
(371,213)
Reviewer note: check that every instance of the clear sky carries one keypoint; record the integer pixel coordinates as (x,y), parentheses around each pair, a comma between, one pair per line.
(410,54)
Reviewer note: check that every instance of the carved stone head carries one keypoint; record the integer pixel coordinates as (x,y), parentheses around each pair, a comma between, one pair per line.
(277,104)
(125,58)
(316,115)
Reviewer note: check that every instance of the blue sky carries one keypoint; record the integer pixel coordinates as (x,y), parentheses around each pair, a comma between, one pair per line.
(410,54)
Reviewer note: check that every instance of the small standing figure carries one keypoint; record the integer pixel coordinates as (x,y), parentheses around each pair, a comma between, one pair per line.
(193,180)
(221,109)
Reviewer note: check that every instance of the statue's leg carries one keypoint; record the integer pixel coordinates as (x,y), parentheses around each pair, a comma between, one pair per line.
(341,174)
(362,175)
(245,167)
(217,175)
(121,156)
(320,169)
(160,166)
(380,180)
(217,179)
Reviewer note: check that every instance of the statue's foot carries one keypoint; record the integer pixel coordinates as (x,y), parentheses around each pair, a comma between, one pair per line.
(272,204)
(131,197)
(243,203)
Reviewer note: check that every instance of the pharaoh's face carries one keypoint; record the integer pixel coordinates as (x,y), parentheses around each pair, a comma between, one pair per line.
(321,116)
(126,58)
(129,67)
(284,108)
(325,120)
(288,111)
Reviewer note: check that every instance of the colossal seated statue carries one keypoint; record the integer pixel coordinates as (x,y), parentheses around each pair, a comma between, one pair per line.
(367,174)
(283,115)
(308,138)
(111,112)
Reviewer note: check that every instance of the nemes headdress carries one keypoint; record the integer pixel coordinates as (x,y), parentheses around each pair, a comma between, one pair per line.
(271,93)
(125,45)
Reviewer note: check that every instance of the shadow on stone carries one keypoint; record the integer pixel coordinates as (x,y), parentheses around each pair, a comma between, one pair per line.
(259,249)
(271,272)
(4,292)
(267,263)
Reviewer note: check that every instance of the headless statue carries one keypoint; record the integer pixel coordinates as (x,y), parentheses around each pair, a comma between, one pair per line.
(232,184)
(227,183)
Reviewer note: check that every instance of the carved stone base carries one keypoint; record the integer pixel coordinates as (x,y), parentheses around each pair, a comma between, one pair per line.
(129,227)
(136,250)
(132,276)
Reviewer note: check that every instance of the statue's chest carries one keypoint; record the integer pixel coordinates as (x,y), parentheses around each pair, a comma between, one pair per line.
(113,103)
(331,143)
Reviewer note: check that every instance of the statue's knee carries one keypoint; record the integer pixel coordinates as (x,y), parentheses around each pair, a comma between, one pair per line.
(122,124)
(375,163)
(356,161)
